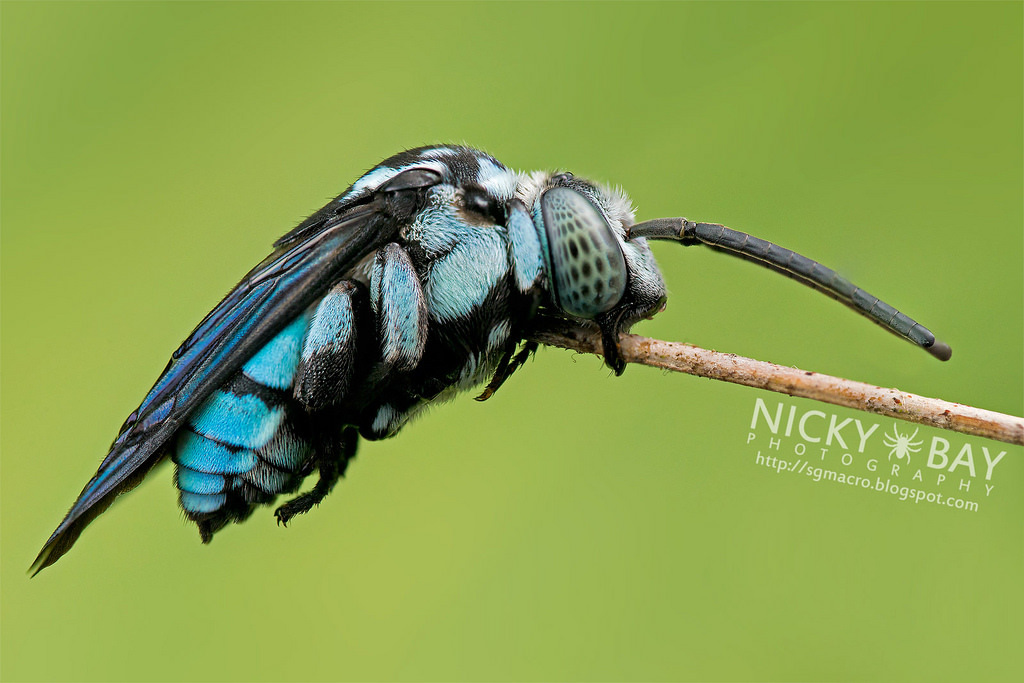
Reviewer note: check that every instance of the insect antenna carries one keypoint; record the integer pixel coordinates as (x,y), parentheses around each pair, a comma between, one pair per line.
(797,267)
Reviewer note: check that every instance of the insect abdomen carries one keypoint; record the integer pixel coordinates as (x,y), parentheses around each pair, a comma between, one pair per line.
(241,447)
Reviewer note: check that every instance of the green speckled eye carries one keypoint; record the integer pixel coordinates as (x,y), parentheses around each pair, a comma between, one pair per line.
(589,270)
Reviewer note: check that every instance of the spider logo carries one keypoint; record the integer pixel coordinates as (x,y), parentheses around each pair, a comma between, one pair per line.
(902,445)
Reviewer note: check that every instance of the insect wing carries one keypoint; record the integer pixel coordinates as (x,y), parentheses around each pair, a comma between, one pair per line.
(269,297)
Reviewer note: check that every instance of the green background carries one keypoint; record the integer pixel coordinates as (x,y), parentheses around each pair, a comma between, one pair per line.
(577,526)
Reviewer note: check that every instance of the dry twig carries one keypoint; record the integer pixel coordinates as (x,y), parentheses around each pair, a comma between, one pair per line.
(729,367)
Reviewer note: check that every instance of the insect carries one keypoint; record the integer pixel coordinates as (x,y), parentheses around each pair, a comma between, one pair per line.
(419,281)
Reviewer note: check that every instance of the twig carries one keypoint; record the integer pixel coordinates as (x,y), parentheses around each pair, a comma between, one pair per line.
(729,367)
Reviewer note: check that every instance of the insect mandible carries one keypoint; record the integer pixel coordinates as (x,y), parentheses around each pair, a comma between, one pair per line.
(419,281)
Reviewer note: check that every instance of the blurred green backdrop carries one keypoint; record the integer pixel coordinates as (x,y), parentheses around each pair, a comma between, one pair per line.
(576,526)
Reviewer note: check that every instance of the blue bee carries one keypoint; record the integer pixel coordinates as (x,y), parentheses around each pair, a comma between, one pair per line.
(419,281)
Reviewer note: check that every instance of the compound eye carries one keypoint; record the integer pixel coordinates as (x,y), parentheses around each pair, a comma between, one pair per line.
(589,270)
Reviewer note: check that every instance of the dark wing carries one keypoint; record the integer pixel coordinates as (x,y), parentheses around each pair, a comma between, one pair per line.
(306,263)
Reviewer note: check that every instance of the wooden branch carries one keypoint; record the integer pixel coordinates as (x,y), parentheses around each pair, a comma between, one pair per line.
(729,367)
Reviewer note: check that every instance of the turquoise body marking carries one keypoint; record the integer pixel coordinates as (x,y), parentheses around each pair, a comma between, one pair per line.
(206,455)
(244,421)
(274,365)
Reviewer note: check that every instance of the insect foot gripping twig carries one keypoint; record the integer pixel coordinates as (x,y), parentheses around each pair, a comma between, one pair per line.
(729,367)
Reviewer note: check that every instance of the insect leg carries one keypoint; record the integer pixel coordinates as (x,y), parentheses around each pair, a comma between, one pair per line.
(333,455)
(400,309)
(396,297)
(506,367)
(333,352)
